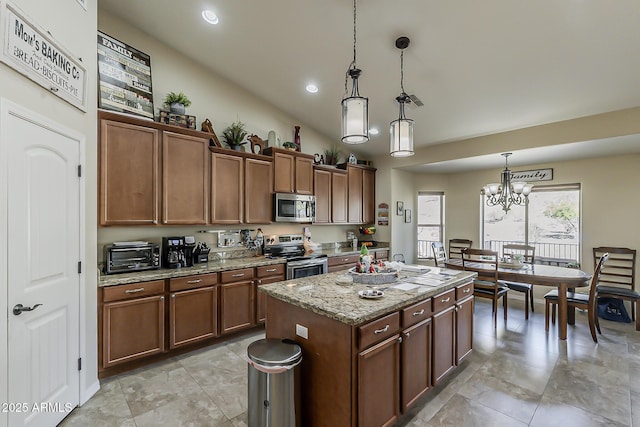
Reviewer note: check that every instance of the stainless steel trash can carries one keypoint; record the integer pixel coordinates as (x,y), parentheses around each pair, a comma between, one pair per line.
(272,382)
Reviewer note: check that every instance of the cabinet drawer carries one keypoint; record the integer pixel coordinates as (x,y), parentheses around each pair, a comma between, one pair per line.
(382,254)
(134,290)
(270,270)
(378,330)
(416,313)
(192,282)
(236,275)
(344,259)
(464,291)
(444,300)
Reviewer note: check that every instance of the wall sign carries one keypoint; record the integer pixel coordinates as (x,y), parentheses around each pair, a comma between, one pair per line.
(31,51)
(383,214)
(125,78)
(533,175)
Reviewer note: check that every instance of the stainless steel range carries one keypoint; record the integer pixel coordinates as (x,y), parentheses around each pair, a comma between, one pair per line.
(299,263)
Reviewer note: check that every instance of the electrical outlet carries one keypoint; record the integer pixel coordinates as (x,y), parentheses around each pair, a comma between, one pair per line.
(302,331)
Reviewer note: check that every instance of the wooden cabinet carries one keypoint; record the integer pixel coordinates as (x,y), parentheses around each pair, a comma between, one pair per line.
(129,174)
(293,171)
(443,354)
(368,196)
(354,195)
(266,275)
(339,198)
(258,194)
(185,179)
(381,255)
(342,262)
(322,191)
(416,362)
(193,309)
(330,189)
(464,328)
(237,300)
(132,322)
(361,193)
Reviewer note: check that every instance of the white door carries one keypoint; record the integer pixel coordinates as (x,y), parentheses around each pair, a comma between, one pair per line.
(43,241)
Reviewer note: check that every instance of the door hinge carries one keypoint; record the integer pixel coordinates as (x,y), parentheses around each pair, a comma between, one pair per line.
(79,170)
(79,267)
(79,363)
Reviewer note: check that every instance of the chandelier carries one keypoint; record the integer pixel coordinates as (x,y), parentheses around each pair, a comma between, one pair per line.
(507,193)
(402,128)
(355,108)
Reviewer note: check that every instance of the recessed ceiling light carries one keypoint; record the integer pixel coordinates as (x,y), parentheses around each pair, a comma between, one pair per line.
(374,131)
(311,88)
(210,17)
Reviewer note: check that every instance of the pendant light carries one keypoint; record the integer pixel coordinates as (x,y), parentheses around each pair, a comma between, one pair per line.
(355,108)
(402,128)
(507,193)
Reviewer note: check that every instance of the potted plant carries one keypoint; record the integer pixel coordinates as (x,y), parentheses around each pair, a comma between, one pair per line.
(332,155)
(177,102)
(234,135)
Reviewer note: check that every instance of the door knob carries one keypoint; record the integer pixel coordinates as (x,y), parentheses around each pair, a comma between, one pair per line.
(19,308)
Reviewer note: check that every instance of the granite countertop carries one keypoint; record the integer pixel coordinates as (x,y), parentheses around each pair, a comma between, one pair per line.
(321,294)
(348,251)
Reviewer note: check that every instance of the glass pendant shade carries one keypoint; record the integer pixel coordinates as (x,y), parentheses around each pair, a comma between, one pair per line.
(355,122)
(507,193)
(401,138)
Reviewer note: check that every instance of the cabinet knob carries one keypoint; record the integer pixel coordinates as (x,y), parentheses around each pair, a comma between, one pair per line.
(400,339)
(161,298)
(407,334)
(155,221)
(173,295)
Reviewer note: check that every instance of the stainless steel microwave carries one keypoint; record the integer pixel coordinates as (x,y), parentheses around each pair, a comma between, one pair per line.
(290,207)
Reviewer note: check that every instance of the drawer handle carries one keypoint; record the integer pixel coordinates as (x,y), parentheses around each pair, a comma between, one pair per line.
(194,281)
(446,300)
(345,260)
(466,291)
(381,331)
(419,313)
(133,291)
(238,275)
(271,270)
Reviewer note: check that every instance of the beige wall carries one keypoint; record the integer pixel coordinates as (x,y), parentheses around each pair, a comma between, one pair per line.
(74,29)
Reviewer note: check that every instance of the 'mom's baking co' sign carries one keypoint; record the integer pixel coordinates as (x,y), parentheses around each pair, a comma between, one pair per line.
(31,51)
(533,175)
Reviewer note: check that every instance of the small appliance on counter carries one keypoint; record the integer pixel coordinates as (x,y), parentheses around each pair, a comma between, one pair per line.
(189,248)
(201,253)
(173,252)
(125,257)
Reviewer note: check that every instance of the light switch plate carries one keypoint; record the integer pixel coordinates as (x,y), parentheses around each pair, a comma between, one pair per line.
(302,331)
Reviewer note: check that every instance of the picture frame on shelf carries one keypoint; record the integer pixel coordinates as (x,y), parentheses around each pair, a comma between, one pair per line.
(399,208)
(407,215)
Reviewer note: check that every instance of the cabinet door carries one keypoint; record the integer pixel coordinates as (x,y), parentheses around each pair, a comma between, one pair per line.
(303,175)
(129,161)
(185,179)
(464,329)
(379,383)
(132,329)
(258,197)
(368,196)
(227,188)
(355,195)
(193,316)
(322,191)
(237,306)
(339,198)
(261,298)
(284,173)
(443,354)
(416,362)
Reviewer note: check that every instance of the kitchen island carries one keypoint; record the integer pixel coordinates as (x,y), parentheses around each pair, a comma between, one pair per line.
(366,361)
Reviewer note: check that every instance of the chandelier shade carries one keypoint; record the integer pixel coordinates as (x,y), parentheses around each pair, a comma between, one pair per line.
(401,129)
(507,193)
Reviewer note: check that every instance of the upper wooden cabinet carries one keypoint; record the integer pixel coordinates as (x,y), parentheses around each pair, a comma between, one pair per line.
(330,189)
(293,171)
(185,179)
(322,191)
(258,193)
(368,196)
(129,174)
(361,193)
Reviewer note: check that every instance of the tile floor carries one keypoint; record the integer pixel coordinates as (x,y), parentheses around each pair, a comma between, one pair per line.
(517,376)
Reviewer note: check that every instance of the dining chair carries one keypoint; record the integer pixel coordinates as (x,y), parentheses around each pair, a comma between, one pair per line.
(528,254)
(586,302)
(398,258)
(619,277)
(486,285)
(457,245)
(439,254)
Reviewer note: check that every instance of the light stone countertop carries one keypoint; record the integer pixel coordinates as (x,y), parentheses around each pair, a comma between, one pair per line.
(322,295)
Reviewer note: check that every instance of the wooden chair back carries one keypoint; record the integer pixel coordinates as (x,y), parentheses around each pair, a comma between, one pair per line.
(621,267)
(457,245)
(439,254)
(487,261)
(597,277)
(528,252)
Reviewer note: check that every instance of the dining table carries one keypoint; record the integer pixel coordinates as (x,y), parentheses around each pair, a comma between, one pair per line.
(563,278)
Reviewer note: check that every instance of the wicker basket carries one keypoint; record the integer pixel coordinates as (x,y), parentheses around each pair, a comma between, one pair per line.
(389,276)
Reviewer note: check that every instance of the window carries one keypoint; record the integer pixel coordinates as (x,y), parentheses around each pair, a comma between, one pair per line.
(430,222)
(550,222)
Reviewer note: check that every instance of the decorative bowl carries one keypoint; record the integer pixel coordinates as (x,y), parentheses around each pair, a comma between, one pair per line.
(389,276)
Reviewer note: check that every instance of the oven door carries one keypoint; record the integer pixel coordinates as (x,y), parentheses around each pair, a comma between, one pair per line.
(306,268)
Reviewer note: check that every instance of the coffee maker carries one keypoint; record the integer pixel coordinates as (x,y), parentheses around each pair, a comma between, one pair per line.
(173,252)
(189,247)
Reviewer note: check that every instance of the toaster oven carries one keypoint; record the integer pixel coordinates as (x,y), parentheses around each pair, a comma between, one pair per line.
(126,257)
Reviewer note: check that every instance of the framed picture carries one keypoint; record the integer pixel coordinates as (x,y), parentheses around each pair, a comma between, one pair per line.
(399,208)
(407,215)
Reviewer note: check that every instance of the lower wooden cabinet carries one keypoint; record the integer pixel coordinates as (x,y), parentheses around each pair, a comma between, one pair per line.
(443,359)
(416,362)
(343,262)
(464,328)
(193,316)
(379,383)
(237,300)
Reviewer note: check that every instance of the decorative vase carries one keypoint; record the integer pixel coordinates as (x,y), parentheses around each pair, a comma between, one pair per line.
(176,108)
(296,138)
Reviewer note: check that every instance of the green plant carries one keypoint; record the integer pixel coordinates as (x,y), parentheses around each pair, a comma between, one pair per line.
(332,155)
(235,134)
(179,98)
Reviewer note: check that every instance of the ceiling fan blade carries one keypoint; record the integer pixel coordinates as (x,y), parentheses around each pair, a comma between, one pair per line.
(416,100)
